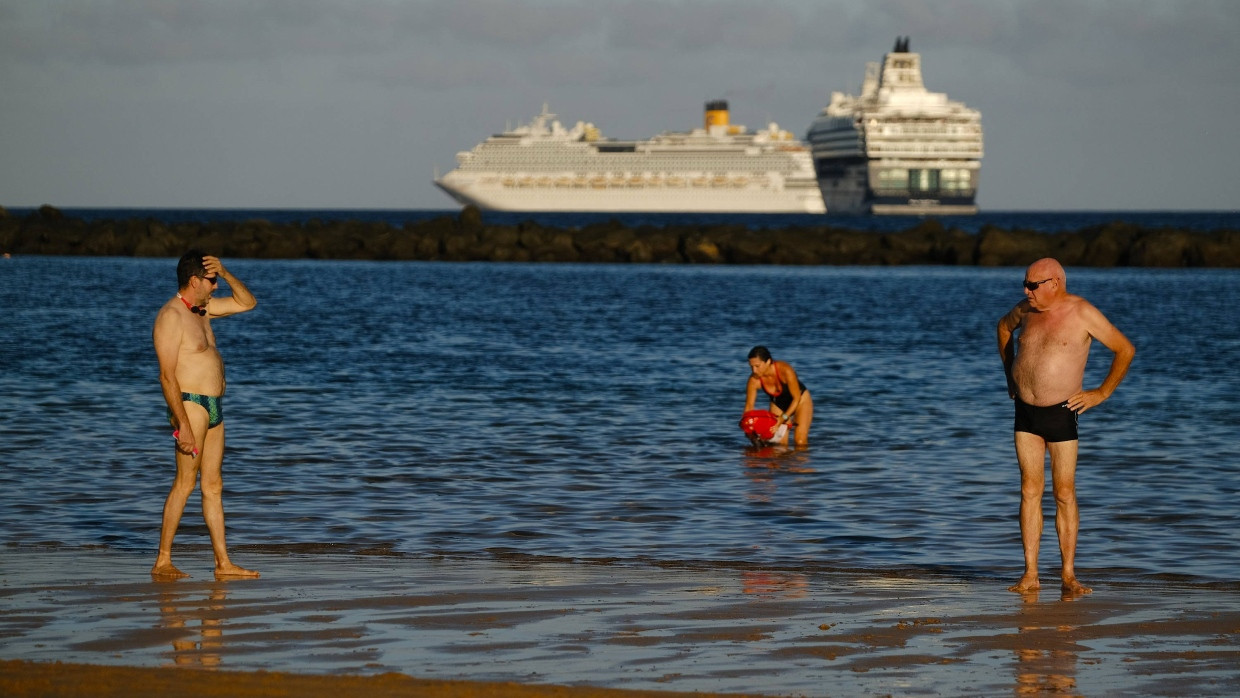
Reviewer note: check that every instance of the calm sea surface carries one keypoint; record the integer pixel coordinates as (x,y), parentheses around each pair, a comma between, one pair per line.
(584,412)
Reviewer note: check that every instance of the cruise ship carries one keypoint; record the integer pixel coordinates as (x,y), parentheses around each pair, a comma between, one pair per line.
(897,148)
(719,168)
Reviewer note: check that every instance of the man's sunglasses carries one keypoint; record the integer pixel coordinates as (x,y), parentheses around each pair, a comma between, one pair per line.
(1033,285)
(211,279)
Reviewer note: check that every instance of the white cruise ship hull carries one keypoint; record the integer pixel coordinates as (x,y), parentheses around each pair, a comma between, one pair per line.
(704,197)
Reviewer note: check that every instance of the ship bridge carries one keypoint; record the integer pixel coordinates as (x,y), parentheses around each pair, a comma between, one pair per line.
(897,147)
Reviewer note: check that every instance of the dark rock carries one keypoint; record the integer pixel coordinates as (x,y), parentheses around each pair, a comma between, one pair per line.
(928,243)
(279,242)
(457,245)
(1219,249)
(556,246)
(662,244)
(330,242)
(700,249)
(605,243)
(471,218)
(467,237)
(1106,246)
(797,247)
(1015,248)
(1161,248)
(638,252)
(744,246)
(838,246)
(532,235)
(158,241)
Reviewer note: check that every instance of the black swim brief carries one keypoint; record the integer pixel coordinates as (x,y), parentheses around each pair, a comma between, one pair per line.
(213,404)
(1052,423)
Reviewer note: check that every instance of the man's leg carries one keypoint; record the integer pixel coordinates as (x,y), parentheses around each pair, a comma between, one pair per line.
(213,503)
(1067,515)
(1031,454)
(182,486)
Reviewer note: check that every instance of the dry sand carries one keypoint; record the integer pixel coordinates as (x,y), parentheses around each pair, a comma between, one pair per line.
(337,624)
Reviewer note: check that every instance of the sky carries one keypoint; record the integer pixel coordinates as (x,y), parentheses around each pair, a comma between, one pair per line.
(1107,105)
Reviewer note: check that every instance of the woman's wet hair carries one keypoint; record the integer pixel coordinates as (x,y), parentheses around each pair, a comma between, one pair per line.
(760,352)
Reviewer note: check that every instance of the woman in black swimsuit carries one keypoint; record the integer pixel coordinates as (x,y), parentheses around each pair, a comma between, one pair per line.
(790,399)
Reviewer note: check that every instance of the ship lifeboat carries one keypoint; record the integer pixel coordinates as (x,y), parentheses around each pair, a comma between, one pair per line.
(637,182)
(580,183)
(563,182)
(544,181)
(676,182)
(719,181)
(598,183)
(699,181)
(740,182)
(509,182)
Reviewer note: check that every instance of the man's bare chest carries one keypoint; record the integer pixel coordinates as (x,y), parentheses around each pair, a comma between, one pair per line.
(198,339)
(1052,333)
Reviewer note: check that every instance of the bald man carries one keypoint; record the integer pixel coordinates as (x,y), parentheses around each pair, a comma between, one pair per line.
(1045,369)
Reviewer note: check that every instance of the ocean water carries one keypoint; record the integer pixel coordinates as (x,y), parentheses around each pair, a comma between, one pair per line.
(577,412)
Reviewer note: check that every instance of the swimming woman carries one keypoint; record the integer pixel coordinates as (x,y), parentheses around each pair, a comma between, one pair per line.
(790,399)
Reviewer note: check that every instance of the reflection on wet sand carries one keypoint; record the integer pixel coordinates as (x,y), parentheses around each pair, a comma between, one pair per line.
(1046,659)
(184,611)
(781,585)
(1045,672)
(760,629)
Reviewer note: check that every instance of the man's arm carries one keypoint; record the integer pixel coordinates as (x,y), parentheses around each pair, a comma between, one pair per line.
(241,299)
(1102,330)
(1007,342)
(167,338)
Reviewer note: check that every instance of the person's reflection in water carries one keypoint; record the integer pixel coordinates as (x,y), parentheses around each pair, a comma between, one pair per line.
(181,610)
(781,585)
(1046,656)
(763,462)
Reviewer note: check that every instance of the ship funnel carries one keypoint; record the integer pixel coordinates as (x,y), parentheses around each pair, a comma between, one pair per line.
(716,113)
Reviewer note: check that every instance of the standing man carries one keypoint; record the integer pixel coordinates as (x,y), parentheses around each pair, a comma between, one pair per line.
(191,373)
(1045,378)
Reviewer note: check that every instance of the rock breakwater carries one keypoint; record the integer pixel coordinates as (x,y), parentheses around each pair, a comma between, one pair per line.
(466,237)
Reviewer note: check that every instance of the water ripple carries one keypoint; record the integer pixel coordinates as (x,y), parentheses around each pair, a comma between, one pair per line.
(588,412)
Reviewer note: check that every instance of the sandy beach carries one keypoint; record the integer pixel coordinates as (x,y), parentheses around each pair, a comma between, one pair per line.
(91,622)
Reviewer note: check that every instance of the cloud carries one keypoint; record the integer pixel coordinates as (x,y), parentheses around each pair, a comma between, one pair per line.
(88,81)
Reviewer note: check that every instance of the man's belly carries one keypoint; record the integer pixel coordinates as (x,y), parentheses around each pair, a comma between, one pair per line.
(1046,380)
(204,377)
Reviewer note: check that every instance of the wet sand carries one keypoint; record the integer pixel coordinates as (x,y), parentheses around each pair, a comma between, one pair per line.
(321,622)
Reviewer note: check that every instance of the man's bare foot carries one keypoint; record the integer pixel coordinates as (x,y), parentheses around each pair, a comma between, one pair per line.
(1026,585)
(1071,587)
(166,571)
(231,571)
